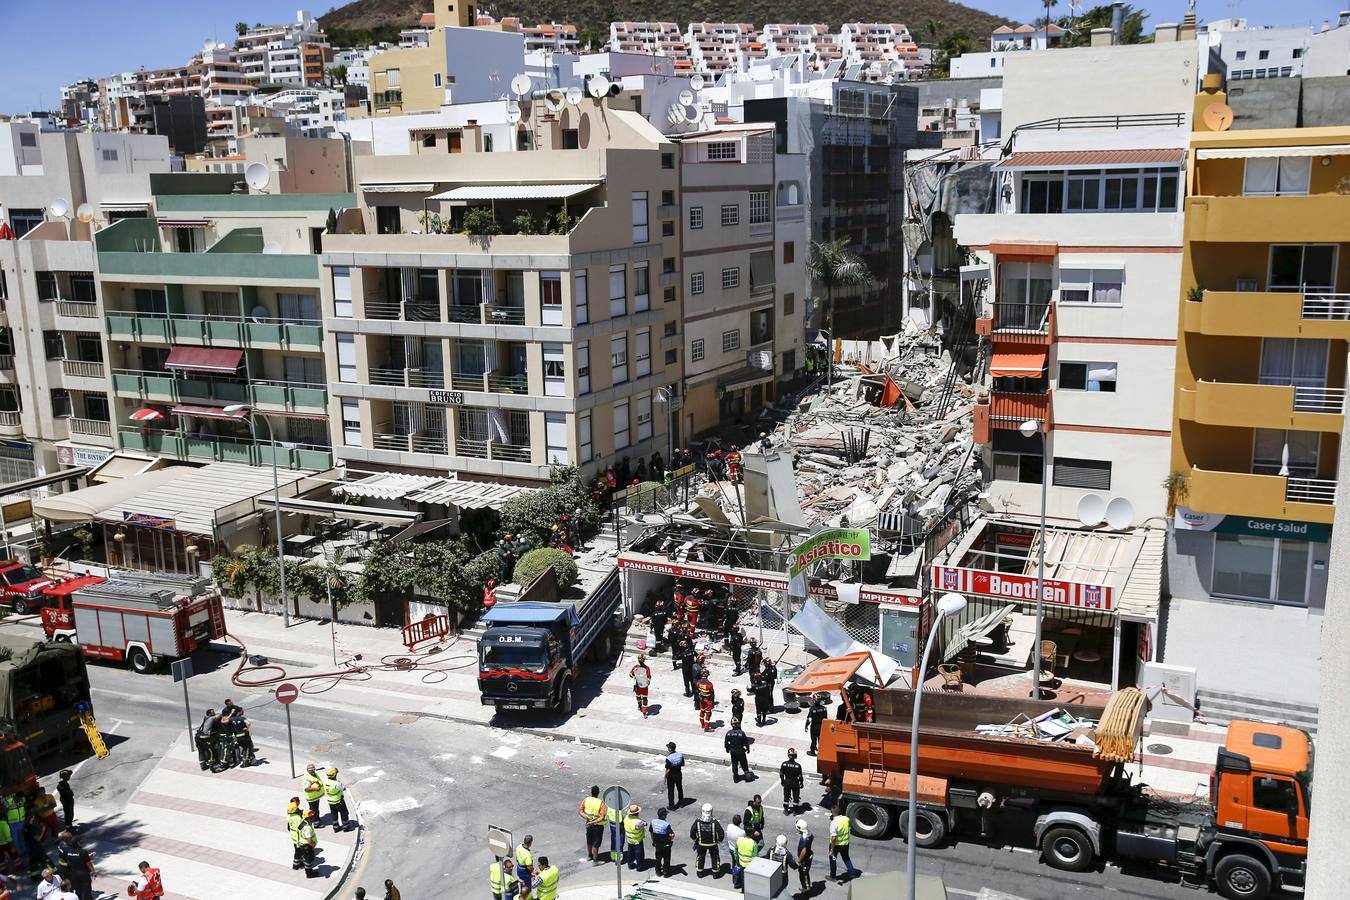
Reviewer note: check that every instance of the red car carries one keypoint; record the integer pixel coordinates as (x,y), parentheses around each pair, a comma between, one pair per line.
(22,587)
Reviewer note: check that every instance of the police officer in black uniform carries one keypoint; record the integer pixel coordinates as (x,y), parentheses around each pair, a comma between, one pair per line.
(735,640)
(815,718)
(737,743)
(762,688)
(73,862)
(207,738)
(660,613)
(687,659)
(737,705)
(790,776)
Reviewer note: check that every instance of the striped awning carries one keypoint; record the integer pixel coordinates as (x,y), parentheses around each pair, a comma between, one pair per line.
(204,412)
(1250,152)
(515,191)
(1092,159)
(401,187)
(1017,365)
(204,359)
(183,223)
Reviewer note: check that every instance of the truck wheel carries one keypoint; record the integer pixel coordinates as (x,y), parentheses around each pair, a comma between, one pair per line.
(140,661)
(565,699)
(1067,848)
(21,606)
(929,828)
(870,820)
(1241,877)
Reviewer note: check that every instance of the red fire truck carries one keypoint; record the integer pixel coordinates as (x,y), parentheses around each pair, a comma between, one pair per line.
(145,619)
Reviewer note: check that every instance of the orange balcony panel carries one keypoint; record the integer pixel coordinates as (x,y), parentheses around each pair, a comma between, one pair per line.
(1010,410)
(984,326)
(982,425)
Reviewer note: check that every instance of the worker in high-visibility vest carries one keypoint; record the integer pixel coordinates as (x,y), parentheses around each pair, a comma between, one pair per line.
(148,886)
(593,812)
(744,851)
(546,882)
(313,788)
(309,843)
(293,821)
(502,879)
(336,794)
(840,826)
(525,866)
(634,834)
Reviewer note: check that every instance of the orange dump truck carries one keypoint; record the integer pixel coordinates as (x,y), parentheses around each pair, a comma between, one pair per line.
(1249,839)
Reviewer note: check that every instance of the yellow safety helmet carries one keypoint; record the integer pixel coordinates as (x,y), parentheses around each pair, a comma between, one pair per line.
(332,772)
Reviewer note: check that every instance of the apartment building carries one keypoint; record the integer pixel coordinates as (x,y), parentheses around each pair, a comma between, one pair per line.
(55,403)
(497,313)
(1025,37)
(652,39)
(290,53)
(211,303)
(1083,249)
(717,47)
(415,79)
(1260,407)
(1250,53)
(815,42)
(743,226)
(881,51)
(554,37)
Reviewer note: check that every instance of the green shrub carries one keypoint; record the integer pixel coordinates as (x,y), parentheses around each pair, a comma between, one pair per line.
(480,220)
(532,564)
(480,569)
(648,496)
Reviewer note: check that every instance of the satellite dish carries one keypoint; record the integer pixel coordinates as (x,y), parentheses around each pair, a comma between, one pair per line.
(521,84)
(574,96)
(271,248)
(598,86)
(675,114)
(555,102)
(1119,513)
(85,213)
(208,45)
(691,114)
(686,97)
(59,207)
(258,313)
(1218,116)
(696,82)
(1091,510)
(512,113)
(256,176)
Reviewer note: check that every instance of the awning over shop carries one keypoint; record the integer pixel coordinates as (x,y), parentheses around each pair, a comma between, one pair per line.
(745,377)
(183,223)
(401,187)
(515,191)
(1026,364)
(198,499)
(432,490)
(342,510)
(204,412)
(204,359)
(83,505)
(1092,159)
(119,466)
(1257,152)
(28,484)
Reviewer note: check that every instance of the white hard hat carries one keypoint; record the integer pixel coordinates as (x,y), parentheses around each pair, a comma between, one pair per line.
(707,810)
(802,826)
(781,841)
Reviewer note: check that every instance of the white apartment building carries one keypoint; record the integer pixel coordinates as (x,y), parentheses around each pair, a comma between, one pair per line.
(1025,37)
(652,39)
(815,42)
(277,54)
(453,347)
(744,235)
(882,51)
(555,37)
(717,47)
(55,392)
(1249,53)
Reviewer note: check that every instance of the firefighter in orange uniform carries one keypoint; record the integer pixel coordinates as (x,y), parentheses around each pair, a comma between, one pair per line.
(692,604)
(642,680)
(703,689)
(490,594)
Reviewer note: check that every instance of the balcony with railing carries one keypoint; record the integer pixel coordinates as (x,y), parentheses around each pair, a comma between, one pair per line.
(77,309)
(11,424)
(269,395)
(1300,498)
(1023,323)
(6,362)
(1293,312)
(80,368)
(408,377)
(89,427)
(1299,407)
(214,331)
(214,448)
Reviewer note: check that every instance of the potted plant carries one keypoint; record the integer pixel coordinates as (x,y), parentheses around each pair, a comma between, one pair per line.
(479,220)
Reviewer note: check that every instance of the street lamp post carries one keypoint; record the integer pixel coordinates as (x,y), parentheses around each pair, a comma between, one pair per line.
(949,605)
(252,414)
(1028,429)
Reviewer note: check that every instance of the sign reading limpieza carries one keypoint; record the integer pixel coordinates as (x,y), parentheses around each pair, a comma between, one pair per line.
(837,543)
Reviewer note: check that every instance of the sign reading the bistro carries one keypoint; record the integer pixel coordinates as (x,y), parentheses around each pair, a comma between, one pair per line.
(1009,586)
(446,398)
(837,543)
(1191,520)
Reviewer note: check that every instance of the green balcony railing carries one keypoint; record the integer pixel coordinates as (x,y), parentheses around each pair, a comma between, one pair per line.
(224,267)
(211,331)
(224,449)
(268,395)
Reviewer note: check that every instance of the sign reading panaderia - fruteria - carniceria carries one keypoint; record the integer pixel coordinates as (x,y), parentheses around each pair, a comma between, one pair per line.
(837,543)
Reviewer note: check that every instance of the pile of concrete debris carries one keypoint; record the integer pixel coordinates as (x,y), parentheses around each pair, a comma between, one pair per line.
(887,445)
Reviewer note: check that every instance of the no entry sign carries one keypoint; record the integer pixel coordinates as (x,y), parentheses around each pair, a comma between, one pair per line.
(286,693)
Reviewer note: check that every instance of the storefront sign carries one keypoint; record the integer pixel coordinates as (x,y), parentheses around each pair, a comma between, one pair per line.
(145,520)
(81,456)
(837,543)
(768,581)
(1015,538)
(1190,520)
(446,398)
(1008,586)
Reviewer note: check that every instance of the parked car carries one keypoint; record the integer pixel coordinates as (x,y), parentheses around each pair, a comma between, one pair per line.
(22,586)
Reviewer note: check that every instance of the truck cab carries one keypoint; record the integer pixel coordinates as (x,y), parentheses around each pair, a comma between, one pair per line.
(521,658)
(1261,792)
(22,586)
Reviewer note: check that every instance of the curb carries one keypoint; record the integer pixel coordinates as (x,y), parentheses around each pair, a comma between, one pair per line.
(358,853)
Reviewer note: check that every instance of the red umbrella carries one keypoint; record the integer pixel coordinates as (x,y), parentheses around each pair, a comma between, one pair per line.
(146,415)
(6,233)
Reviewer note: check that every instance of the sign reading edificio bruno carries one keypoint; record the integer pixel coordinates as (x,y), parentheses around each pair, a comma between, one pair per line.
(1008,586)
(837,543)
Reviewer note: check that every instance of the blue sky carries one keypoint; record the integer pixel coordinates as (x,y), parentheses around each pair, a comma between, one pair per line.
(47,43)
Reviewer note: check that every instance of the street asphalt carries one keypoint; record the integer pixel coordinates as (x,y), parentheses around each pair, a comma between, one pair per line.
(427,789)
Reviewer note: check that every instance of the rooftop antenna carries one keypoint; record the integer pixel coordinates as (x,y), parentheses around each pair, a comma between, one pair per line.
(256,176)
(686,98)
(59,207)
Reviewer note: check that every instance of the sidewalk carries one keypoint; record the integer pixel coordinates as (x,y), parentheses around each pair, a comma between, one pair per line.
(205,830)
(606,714)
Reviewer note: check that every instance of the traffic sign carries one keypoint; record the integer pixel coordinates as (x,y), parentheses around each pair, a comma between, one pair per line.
(286,693)
(617,797)
(499,841)
(181,669)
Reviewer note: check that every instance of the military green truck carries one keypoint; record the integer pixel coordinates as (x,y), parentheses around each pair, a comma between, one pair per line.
(44,695)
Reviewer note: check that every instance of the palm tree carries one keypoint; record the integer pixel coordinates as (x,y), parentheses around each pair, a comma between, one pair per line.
(1048,4)
(832,264)
(932,26)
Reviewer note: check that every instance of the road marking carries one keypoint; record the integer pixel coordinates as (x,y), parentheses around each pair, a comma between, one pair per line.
(385,807)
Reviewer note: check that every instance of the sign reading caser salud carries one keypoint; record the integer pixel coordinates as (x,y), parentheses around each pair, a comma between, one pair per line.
(837,543)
